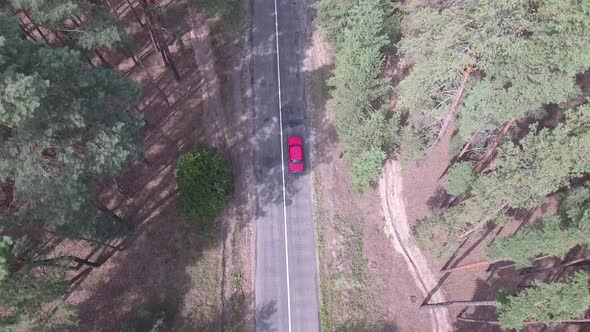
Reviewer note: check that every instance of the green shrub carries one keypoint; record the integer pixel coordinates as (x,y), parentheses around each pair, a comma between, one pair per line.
(460,179)
(205,183)
(6,244)
(366,168)
(146,319)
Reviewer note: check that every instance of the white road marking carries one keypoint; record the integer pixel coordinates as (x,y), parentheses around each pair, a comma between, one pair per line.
(283,163)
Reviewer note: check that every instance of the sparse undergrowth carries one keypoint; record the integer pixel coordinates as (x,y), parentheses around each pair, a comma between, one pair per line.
(342,269)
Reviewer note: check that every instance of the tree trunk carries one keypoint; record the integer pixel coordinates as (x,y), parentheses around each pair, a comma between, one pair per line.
(459,304)
(102,59)
(78,22)
(486,262)
(137,17)
(27,33)
(456,100)
(152,33)
(36,26)
(154,82)
(570,263)
(112,214)
(58,37)
(78,260)
(495,322)
(108,245)
(466,266)
(466,146)
(171,63)
(481,321)
(484,161)
(162,47)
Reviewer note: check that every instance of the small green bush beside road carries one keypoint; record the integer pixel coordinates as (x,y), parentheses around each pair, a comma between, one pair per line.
(205,182)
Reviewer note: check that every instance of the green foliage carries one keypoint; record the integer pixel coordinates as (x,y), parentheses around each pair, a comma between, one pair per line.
(205,183)
(64,126)
(64,317)
(546,237)
(237,280)
(441,231)
(5,256)
(542,162)
(146,319)
(367,168)
(522,176)
(460,178)
(528,55)
(25,293)
(436,234)
(98,28)
(557,234)
(546,303)
(332,18)
(575,205)
(34,286)
(359,34)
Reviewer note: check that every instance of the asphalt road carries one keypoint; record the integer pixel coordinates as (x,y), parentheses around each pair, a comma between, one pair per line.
(287,297)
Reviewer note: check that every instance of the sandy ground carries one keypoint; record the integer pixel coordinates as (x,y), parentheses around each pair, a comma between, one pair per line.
(398,229)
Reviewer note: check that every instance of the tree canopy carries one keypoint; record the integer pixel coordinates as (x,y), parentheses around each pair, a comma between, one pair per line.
(547,303)
(63,126)
(364,126)
(522,175)
(526,55)
(98,28)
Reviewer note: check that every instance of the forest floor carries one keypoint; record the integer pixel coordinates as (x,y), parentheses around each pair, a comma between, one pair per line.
(167,268)
(365,283)
(410,190)
(419,189)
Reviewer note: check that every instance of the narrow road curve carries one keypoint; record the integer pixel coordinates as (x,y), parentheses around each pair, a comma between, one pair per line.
(286,282)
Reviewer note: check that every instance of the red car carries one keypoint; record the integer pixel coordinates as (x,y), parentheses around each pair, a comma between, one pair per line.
(296,162)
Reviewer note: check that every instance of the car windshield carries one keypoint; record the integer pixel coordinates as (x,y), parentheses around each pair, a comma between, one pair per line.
(296,161)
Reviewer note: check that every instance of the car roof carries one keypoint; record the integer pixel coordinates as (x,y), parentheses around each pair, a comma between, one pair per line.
(295,152)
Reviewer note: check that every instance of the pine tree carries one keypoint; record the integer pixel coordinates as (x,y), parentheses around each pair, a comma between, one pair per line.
(98,29)
(553,235)
(528,55)
(546,303)
(363,127)
(549,236)
(542,162)
(25,289)
(521,176)
(68,126)
(331,17)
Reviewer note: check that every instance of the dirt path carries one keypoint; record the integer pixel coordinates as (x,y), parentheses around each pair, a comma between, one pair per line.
(394,207)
